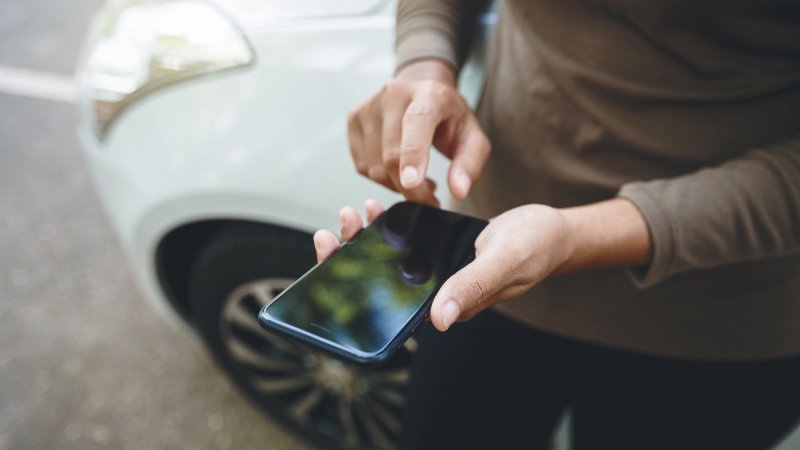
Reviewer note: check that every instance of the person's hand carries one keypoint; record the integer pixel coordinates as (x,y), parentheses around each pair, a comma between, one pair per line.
(517,250)
(522,247)
(392,132)
(514,252)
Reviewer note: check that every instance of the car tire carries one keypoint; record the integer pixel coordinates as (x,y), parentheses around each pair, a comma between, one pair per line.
(329,403)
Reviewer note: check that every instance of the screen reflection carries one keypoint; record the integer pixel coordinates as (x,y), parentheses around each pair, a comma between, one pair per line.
(363,295)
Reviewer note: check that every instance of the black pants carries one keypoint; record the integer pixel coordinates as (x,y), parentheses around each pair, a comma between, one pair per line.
(492,383)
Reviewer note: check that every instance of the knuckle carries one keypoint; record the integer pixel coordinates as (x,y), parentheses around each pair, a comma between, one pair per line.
(438,92)
(392,87)
(391,159)
(352,115)
(376,173)
(368,126)
(515,258)
(392,94)
(364,116)
(420,111)
(353,126)
(428,85)
(476,289)
(362,169)
(485,143)
(410,149)
(441,93)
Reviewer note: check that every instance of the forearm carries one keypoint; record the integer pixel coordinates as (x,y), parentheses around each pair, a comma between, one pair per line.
(435,30)
(745,209)
(611,233)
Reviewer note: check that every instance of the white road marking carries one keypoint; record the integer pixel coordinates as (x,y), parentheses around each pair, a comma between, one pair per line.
(37,84)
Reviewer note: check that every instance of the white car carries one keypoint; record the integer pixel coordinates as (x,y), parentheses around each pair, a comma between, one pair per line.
(215,133)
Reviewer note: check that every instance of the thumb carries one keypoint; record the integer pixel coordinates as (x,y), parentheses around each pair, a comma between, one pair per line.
(467,292)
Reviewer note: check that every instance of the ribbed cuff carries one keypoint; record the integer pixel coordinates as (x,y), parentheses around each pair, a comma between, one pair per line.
(425,44)
(662,233)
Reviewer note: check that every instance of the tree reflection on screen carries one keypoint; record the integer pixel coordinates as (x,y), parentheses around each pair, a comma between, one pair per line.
(363,294)
(344,289)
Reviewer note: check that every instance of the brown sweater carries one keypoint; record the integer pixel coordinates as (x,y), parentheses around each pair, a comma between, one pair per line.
(691,109)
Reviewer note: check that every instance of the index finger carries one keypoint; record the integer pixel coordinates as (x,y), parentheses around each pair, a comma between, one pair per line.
(419,125)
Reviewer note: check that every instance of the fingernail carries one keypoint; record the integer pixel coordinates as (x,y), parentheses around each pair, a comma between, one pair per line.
(409,175)
(463,181)
(450,312)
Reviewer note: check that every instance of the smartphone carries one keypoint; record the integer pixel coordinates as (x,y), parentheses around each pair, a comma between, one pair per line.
(364,300)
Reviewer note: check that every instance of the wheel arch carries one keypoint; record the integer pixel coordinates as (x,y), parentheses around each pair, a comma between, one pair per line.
(178,250)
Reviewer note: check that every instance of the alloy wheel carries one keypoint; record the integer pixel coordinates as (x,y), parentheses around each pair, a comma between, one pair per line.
(343,404)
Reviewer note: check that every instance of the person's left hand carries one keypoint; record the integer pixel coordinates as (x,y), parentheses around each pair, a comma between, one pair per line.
(517,250)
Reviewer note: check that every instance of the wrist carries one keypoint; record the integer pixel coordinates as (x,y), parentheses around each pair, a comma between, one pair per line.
(572,241)
(428,69)
(611,233)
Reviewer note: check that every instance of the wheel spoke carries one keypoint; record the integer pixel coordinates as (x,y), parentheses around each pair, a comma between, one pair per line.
(381,413)
(282,385)
(243,353)
(390,396)
(239,315)
(263,292)
(398,376)
(300,410)
(374,431)
(350,438)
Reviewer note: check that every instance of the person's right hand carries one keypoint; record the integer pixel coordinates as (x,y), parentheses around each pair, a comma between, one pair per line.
(392,132)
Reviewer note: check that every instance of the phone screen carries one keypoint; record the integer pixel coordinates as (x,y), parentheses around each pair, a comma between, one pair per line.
(364,294)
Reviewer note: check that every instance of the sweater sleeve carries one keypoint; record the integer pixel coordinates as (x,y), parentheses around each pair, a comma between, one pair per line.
(438,29)
(743,210)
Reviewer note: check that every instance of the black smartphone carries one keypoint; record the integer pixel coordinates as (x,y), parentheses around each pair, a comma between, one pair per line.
(364,300)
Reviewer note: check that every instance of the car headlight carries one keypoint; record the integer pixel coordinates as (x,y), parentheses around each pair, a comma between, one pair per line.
(138,46)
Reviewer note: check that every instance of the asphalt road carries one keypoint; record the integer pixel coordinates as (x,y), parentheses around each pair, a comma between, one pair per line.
(84,361)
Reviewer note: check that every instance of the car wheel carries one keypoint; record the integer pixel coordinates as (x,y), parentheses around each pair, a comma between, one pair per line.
(331,403)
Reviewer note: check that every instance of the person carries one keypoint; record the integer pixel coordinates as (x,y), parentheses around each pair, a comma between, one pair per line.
(641,166)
